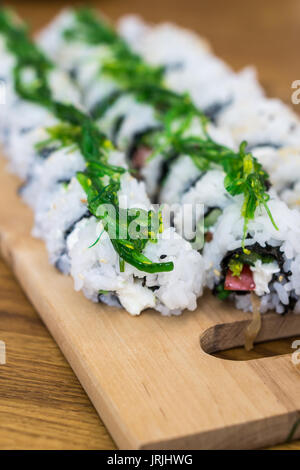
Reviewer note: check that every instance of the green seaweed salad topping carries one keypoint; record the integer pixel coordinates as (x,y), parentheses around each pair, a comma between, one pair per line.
(100,180)
(243,173)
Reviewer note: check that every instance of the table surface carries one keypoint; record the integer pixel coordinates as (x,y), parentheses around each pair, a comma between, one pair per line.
(42,405)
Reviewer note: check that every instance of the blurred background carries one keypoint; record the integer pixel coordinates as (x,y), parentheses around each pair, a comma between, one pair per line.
(263,33)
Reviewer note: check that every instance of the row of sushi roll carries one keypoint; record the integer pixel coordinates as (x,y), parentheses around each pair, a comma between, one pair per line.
(94,216)
(234,101)
(188,148)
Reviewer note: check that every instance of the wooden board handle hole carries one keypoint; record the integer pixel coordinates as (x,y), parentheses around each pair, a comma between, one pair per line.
(277,337)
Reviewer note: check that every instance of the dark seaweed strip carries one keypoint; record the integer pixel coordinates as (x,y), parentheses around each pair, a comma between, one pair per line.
(274,145)
(45,152)
(116,128)
(100,108)
(192,183)
(70,229)
(212,111)
(267,250)
(165,167)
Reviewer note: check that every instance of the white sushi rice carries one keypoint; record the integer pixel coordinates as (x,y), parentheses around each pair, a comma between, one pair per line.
(283,166)
(97,268)
(261,121)
(164,43)
(60,165)
(21,152)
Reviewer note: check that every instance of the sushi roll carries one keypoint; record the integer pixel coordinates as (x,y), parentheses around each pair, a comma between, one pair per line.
(268,263)
(190,65)
(74,179)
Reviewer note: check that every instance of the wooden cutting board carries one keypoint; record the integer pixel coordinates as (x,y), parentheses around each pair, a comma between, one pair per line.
(152,379)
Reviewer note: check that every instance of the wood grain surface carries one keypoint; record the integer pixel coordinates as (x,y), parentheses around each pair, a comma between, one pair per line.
(42,404)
